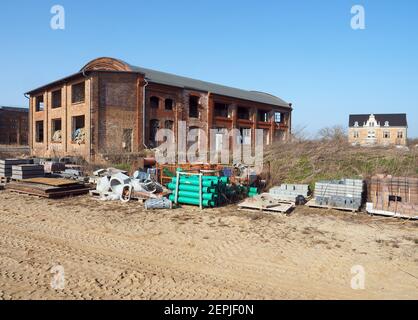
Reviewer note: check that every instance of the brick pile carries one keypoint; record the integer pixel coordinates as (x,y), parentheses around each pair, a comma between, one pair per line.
(394,194)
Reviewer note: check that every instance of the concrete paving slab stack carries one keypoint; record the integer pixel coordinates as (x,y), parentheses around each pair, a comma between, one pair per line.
(27,171)
(6,166)
(346,193)
(290,192)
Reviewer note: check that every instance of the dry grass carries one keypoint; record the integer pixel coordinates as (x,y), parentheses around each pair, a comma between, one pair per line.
(307,161)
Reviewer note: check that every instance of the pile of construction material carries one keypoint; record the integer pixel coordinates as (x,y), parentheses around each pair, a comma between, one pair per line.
(114,184)
(339,194)
(393,196)
(6,166)
(48,187)
(27,171)
(53,166)
(213,190)
(290,192)
(79,136)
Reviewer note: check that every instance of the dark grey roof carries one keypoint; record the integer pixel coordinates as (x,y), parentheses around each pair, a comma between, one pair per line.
(189,83)
(14,109)
(395,120)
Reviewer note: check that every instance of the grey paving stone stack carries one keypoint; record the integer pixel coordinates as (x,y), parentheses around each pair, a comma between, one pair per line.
(7,164)
(290,191)
(346,193)
(27,171)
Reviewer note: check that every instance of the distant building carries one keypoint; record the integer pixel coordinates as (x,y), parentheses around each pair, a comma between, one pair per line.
(14,126)
(378,129)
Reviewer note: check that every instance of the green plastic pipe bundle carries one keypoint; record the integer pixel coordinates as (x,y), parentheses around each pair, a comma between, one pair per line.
(186,187)
(189,190)
(195,182)
(195,195)
(196,202)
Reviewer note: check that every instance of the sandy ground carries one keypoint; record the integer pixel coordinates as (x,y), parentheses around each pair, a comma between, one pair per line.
(117,251)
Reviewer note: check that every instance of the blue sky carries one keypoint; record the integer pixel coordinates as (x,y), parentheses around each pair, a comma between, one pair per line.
(301,50)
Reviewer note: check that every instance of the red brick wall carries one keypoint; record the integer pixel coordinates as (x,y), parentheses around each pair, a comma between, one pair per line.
(13,127)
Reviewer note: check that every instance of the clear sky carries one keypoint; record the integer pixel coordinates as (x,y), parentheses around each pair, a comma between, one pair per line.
(303,51)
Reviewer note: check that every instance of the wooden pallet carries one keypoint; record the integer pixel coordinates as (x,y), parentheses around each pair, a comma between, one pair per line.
(313,204)
(5,180)
(267,204)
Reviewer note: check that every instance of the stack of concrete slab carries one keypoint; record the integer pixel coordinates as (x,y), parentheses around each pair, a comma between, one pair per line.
(346,193)
(289,192)
(7,164)
(27,171)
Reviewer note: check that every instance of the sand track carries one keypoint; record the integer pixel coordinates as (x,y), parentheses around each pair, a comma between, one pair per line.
(116,251)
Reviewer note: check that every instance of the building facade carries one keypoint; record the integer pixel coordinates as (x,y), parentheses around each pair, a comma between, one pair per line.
(14,126)
(378,129)
(113,107)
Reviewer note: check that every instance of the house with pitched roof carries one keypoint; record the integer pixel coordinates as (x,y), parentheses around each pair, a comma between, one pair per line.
(378,129)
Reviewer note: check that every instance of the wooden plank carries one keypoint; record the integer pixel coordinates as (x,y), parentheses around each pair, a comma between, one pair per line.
(56,182)
(54,195)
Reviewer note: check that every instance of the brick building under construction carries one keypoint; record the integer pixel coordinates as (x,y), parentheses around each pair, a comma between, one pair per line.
(111,107)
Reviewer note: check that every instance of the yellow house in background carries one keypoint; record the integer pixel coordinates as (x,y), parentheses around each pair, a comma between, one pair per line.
(378,129)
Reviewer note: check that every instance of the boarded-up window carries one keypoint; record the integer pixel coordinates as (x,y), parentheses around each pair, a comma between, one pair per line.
(245,135)
(78,92)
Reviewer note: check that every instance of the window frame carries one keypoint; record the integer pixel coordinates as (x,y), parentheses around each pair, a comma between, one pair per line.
(53,106)
(152,104)
(73,88)
(195,112)
(38,107)
(37,131)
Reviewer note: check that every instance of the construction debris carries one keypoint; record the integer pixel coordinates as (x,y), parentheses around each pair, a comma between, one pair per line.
(57,136)
(154,204)
(53,167)
(393,196)
(79,136)
(113,184)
